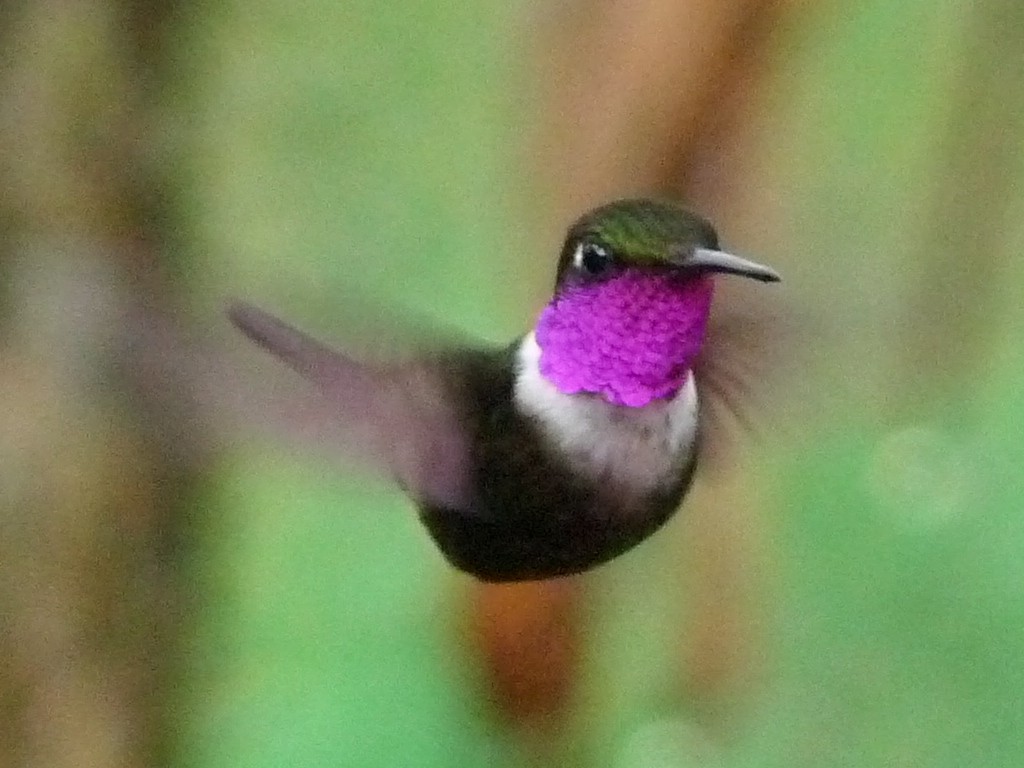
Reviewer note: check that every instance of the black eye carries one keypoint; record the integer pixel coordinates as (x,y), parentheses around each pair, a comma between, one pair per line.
(592,258)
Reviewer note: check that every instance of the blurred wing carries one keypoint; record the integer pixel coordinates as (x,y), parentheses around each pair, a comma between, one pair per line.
(745,372)
(399,416)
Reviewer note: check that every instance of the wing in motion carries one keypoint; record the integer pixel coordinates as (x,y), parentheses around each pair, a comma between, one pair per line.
(400,416)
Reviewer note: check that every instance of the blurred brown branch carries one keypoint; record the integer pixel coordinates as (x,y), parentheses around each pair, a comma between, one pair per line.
(639,98)
(92,534)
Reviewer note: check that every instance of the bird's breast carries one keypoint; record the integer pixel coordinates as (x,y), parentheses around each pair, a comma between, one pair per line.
(639,450)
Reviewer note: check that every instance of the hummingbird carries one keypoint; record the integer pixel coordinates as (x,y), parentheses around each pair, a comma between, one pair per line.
(571,445)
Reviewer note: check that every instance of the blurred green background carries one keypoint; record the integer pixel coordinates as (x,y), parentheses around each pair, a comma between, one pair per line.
(850,594)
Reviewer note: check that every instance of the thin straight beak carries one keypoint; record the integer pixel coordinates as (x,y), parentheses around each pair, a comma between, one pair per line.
(708,260)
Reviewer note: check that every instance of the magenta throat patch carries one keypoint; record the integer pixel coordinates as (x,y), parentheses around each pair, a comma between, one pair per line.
(631,338)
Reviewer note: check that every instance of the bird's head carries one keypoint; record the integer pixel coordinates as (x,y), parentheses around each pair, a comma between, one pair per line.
(632,299)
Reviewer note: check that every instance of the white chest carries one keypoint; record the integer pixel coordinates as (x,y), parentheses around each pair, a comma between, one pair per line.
(637,448)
